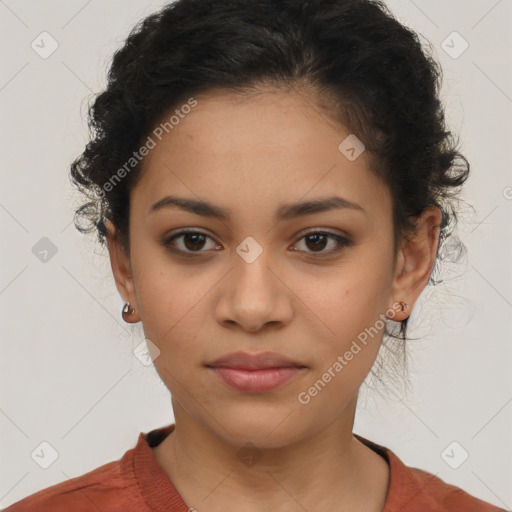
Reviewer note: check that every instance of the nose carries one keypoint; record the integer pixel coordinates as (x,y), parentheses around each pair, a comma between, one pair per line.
(254,296)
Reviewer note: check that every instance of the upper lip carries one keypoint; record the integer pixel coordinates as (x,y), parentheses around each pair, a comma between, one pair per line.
(246,361)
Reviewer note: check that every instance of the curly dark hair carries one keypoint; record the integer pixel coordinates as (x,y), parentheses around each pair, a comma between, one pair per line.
(369,72)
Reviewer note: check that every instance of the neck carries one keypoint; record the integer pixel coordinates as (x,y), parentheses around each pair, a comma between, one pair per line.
(327,470)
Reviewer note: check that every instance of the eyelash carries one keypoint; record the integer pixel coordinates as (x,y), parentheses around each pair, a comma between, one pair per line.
(340,240)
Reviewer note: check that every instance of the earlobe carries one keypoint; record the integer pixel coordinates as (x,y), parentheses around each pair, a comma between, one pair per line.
(416,258)
(399,305)
(121,270)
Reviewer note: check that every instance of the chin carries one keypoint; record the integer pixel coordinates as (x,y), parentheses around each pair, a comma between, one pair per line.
(265,426)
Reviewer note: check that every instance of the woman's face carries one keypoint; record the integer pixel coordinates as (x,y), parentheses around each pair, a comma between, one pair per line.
(256,281)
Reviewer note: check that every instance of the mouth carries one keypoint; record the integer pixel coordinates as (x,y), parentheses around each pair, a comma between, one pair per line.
(256,373)
(258,361)
(256,381)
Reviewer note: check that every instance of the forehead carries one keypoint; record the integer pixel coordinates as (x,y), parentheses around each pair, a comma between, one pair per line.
(268,149)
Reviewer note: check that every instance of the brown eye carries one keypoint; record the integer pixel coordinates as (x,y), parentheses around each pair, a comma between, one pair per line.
(317,241)
(191,242)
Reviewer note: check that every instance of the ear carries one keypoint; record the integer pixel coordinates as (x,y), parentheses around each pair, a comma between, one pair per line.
(415,260)
(121,268)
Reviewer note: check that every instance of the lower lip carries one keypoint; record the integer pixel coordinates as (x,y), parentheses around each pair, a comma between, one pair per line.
(256,381)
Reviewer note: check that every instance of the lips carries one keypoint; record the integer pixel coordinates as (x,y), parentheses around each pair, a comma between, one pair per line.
(260,361)
(256,373)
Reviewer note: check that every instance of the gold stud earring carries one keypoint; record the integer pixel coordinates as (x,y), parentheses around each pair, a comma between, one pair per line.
(404,306)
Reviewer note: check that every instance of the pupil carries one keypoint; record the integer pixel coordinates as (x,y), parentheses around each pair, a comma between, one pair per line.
(316,237)
(195,237)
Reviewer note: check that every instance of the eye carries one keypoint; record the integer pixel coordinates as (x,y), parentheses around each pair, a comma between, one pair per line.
(192,242)
(318,240)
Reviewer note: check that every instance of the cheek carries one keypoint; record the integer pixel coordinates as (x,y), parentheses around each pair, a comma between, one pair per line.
(346,352)
(173,319)
(171,302)
(351,308)
(349,300)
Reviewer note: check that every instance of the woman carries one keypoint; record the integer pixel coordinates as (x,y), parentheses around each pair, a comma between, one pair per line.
(273,180)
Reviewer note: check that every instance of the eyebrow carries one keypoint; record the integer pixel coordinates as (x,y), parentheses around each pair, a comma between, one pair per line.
(285,212)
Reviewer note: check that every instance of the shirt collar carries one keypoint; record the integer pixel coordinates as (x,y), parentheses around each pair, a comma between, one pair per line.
(161,495)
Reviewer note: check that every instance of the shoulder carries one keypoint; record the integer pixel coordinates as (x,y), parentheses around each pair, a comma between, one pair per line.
(412,489)
(111,487)
(439,495)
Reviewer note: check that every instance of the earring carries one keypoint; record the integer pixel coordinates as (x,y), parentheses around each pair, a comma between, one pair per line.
(404,305)
(127,311)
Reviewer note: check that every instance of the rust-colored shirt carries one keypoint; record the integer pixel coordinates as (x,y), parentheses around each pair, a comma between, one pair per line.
(137,483)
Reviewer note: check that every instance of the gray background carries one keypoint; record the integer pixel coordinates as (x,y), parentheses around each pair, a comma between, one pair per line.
(68,374)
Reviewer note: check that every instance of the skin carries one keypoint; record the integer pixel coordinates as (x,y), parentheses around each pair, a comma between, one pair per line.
(251,156)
